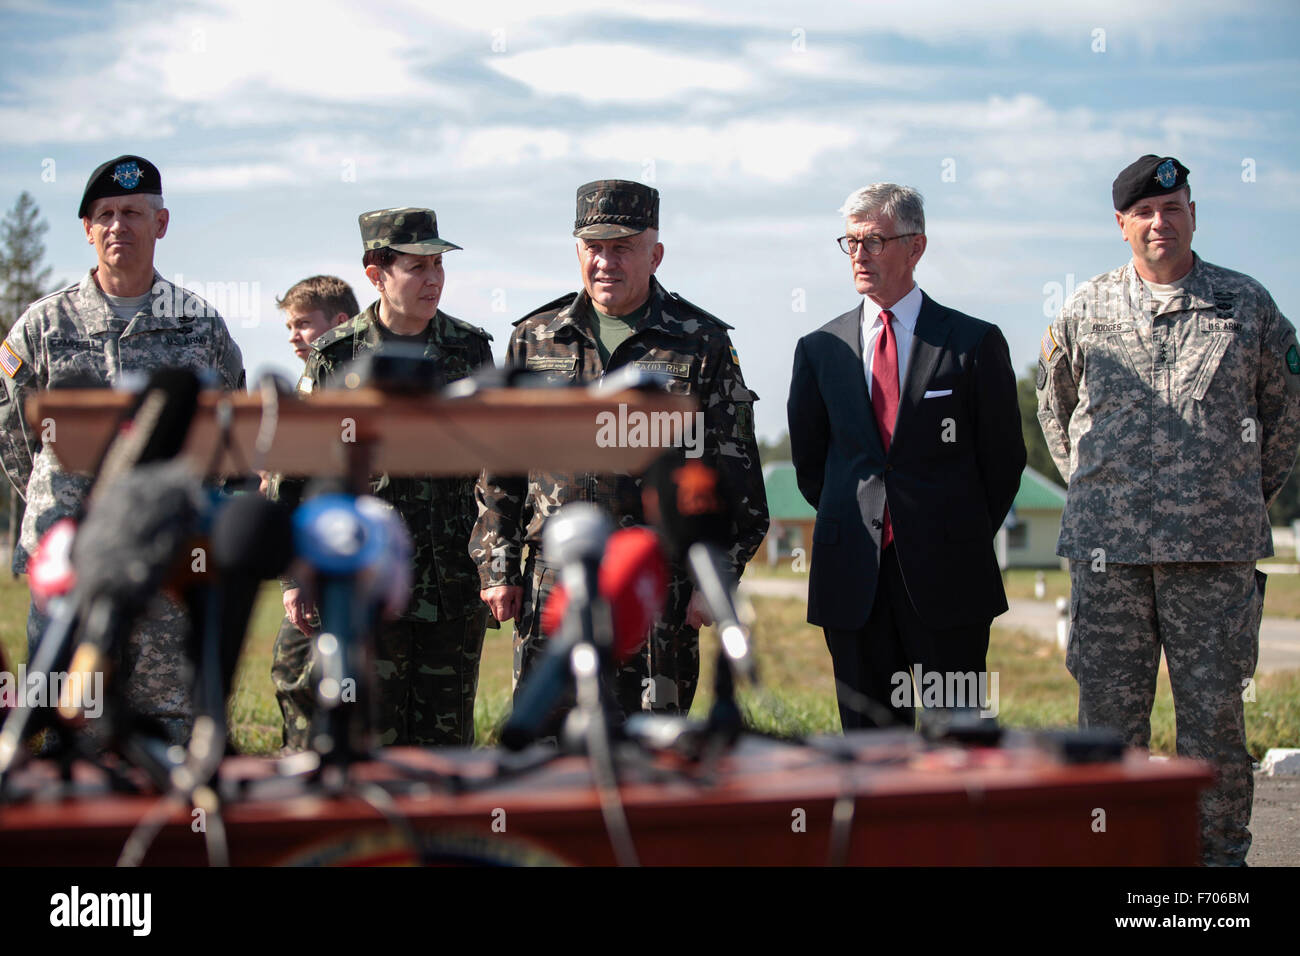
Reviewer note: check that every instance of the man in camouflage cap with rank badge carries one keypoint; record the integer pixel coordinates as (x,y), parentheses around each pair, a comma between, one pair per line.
(622,316)
(122,318)
(1169,395)
(427,661)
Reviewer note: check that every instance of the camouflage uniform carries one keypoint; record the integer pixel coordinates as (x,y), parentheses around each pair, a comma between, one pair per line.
(72,336)
(427,661)
(693,348)
(1177,424)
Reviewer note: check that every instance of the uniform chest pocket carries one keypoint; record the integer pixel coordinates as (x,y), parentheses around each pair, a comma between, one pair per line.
(1110,372)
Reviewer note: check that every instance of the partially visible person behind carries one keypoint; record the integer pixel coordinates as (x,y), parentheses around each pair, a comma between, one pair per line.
(427,660)
(312,307)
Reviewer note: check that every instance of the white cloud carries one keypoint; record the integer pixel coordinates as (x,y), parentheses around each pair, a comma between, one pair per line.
(619,72)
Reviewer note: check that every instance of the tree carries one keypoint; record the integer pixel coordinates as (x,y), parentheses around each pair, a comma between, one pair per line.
(1039,458)
(22,281)
(779,451)
(21,251)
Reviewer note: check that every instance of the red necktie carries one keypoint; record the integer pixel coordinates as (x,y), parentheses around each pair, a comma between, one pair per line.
(884,397)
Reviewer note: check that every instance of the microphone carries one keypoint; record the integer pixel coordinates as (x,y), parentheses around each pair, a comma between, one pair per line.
(50,574)
(123,552)
(359,553)
(252,541)
(691,503)
(155,428)
(574,538)
(633,580)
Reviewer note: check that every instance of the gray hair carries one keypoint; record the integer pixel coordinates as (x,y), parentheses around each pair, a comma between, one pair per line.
(155,200)
(903,204)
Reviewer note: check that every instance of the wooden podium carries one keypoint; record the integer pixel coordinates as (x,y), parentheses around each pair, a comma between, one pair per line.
(504,430)
(767,803)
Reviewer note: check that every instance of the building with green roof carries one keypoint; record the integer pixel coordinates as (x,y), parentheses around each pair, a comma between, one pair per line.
(1027,540)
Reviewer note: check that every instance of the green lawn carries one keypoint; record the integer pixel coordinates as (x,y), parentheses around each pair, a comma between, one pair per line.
(795,694)
(1281,598)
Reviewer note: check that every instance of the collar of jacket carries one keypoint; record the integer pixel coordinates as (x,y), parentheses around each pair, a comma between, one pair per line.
(438,334)
(664,315)
(166,310)
(1197,293)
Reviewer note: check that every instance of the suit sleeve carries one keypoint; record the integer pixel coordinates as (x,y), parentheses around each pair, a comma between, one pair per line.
(1277,399)
(729,434)
(1000,441)
(1058,392)
(18,445)
(809,425)
(496,542)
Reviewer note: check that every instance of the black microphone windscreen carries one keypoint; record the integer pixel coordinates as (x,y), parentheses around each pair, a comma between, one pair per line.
(130,537)
(689,501)
(253,535)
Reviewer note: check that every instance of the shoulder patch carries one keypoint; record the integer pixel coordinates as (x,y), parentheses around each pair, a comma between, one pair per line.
(695,308)
(553,306)
(10,360)
(735,359)
(1049,345)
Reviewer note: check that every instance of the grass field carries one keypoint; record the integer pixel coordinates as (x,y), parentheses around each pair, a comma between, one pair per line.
(796,691)
(1281,597)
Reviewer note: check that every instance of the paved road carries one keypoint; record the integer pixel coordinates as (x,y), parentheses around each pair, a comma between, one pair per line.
(1279,638)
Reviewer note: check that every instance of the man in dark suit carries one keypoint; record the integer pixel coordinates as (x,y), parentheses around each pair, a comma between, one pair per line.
(905,434)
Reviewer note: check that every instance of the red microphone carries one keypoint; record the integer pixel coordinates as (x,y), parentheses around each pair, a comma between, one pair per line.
(50,574)
(633,581)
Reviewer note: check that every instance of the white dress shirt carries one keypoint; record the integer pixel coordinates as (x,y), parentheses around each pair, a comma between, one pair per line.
(905,312)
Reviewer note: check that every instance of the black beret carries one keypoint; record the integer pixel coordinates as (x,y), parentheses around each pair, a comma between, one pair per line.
(1149,176)
(124,176)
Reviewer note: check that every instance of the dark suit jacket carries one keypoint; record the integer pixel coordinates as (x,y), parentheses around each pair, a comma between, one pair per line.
(950,477)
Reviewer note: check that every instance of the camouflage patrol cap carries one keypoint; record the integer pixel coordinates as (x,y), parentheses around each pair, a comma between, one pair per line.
(1150,176)
(408,229)
(611,208)
(124,176)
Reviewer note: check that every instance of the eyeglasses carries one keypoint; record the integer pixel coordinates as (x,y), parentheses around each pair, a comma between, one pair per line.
(875,244)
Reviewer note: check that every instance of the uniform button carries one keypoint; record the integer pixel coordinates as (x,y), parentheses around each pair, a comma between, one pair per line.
(889,468)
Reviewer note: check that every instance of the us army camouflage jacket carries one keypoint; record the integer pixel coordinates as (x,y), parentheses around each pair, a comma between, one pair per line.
(439,512)
(675,337)
(72,336)
(1175,425)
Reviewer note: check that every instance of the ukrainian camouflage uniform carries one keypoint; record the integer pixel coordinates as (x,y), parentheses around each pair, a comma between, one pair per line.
(1176,424)
(427,660)
(690,346)
(72,337)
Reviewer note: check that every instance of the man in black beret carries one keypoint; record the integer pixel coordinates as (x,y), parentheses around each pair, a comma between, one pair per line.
(1169,395)
(122,318)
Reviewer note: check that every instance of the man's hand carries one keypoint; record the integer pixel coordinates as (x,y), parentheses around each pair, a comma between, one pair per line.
(504,600)
(697,612)
(264,483)
(298,611)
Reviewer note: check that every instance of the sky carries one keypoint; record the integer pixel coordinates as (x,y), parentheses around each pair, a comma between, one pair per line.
(276,124)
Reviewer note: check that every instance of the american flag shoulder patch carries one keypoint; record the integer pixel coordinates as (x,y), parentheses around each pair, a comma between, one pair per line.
(1049,346)
(10,361)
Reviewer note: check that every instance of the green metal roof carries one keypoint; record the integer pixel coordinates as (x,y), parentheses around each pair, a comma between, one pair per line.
(1039,493)
(786,503)
(784,500)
